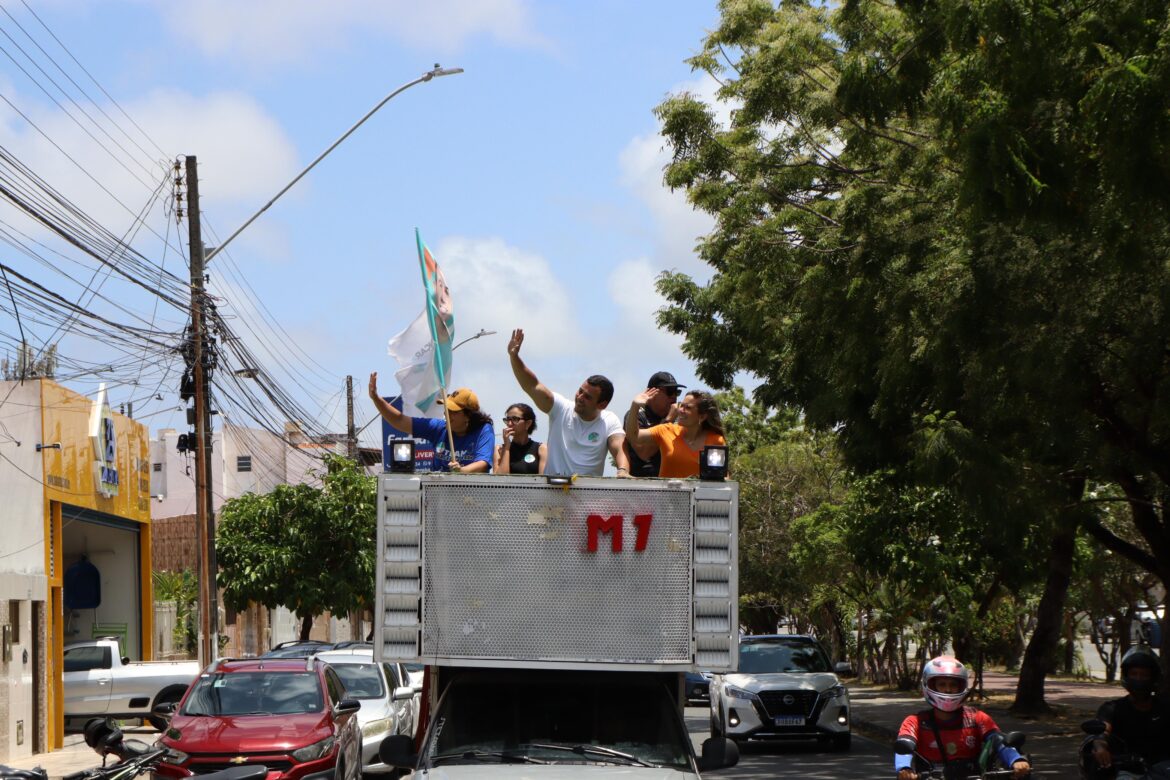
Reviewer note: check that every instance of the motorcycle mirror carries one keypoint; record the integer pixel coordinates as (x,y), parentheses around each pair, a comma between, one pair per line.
(1015,739)
(98,731)
(398,750)
(904,746)
(1094,726)
(718,753)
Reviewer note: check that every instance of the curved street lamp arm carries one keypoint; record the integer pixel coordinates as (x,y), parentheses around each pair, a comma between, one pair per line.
(430,74)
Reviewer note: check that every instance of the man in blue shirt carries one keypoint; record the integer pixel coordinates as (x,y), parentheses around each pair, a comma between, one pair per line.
(471,429)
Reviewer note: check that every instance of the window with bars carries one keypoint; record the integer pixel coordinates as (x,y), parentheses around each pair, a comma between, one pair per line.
(243,463)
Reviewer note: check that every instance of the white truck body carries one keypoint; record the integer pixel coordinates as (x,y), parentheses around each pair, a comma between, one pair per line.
(480,576)
(98,681)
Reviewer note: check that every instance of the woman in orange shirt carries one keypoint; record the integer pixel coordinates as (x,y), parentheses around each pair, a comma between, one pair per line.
(697,425)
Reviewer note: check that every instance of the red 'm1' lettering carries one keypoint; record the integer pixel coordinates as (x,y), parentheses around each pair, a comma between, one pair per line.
(599,525)
(642,522)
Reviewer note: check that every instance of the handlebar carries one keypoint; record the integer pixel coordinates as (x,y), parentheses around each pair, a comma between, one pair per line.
(990,774)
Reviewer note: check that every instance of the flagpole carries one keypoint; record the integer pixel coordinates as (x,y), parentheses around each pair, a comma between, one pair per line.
(450,436)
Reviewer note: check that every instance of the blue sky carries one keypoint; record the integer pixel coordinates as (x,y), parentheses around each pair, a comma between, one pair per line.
(535,176)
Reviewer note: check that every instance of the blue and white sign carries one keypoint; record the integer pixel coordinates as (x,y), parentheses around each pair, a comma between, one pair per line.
(103,437)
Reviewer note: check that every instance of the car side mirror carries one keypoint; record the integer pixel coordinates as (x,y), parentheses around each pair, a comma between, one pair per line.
(398,750)
(843,669)
(718,752)
(346,706)
(405,693)
(164,710)
(125,660)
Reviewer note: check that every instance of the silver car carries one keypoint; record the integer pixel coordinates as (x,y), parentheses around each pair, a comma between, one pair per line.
(785,689)
(389,702)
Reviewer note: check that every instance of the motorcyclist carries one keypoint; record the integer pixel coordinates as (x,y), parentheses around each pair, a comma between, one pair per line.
(963,732)
(1137,724)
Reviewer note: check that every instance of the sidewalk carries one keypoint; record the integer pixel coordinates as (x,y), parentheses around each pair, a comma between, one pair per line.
(74,755)
(1053,740)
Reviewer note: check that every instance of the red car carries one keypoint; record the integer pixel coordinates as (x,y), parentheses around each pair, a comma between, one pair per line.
(292,715)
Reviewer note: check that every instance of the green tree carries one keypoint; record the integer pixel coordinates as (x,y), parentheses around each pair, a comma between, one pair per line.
(942,228)
(779,483)
(914,565)
(307,548)
(181,587)
(749,424)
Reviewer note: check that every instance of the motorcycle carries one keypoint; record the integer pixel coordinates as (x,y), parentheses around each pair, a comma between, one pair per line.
(986,763)
(133,758)
(1125,765)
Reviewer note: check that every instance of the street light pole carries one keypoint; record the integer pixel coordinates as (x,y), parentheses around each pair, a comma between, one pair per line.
(430,74)
(198,346)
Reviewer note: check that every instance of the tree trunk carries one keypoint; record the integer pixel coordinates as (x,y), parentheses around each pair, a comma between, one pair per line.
(306,626)
(1041,650)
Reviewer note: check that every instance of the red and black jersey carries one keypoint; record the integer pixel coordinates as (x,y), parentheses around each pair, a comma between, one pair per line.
(962,734)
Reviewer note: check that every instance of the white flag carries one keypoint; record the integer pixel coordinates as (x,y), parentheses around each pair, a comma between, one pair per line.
(414,348)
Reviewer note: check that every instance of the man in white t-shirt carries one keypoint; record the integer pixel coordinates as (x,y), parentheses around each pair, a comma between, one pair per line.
(580,431)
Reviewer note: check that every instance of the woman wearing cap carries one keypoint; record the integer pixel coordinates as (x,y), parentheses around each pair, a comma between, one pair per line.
(471,430)
(697,425)
(520,453)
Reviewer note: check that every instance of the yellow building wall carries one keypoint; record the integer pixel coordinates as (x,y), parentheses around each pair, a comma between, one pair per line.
(69,473)
(70,479)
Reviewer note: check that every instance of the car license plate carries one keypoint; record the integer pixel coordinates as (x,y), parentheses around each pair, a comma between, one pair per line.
(790,720)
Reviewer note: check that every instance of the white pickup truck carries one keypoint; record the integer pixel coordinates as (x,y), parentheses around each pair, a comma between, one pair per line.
(99,681)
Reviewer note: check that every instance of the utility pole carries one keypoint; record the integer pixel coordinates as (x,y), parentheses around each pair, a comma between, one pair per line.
(350,431)
(201,361)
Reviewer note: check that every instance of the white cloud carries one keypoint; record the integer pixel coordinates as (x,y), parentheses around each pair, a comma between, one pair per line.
(678,225)
(632,287)
(244,155)
(499,287)
(292,31)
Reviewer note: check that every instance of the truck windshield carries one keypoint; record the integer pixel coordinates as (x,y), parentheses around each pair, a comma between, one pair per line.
(558,721)
(781,655)
(254,693)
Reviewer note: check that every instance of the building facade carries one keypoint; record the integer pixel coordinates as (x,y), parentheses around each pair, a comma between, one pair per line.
(75,540)
(243,460)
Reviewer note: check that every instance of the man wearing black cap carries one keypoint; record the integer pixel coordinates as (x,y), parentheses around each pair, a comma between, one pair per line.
(658,410)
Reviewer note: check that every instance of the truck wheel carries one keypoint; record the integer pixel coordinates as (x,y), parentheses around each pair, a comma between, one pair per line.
(842,743)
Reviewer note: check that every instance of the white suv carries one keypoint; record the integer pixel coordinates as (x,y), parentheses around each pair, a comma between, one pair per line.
(785,689)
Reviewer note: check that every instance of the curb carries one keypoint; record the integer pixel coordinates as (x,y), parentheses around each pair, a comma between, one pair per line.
(874,731)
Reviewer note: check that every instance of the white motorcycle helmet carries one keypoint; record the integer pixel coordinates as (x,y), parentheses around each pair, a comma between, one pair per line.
(944,667)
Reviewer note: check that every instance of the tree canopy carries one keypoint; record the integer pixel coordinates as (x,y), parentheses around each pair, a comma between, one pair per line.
(310,549)
(942,232)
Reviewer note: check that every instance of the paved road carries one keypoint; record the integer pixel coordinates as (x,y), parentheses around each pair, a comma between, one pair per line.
(867,759)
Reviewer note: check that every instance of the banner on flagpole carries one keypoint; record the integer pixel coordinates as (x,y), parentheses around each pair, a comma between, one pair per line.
(439,311)
(417,380)
(423,350)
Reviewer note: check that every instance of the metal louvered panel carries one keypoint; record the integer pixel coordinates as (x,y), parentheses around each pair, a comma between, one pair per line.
(716,576)
(398,600)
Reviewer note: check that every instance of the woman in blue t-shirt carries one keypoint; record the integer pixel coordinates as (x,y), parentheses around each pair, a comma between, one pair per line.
(471,429)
